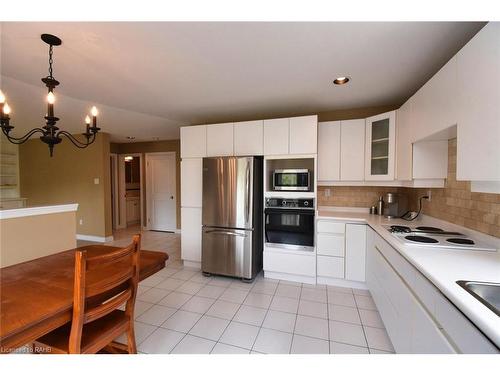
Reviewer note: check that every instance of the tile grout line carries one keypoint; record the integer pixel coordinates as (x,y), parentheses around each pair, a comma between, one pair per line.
(265,316)
(295,323)
(362,327)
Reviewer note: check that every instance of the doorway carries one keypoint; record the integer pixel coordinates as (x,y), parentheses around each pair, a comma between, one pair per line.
(127,190)
(161,201)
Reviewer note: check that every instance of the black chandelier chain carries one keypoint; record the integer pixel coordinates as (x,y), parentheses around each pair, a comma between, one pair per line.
(50,62)
(50,133)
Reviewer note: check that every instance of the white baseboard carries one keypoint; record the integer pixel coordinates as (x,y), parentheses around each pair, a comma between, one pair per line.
(86,237)
(341,282)
(290,277)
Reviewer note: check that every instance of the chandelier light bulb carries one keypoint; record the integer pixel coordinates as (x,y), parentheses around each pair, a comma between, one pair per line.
(2,97)
(6,109)
(94,111)
(87,120)
(51,98)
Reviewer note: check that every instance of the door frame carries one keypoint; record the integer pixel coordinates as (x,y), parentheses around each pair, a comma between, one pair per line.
(122,214)
(148,155)
(115,204)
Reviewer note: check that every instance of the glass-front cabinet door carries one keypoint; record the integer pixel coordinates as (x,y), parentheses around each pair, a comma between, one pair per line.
(380,146)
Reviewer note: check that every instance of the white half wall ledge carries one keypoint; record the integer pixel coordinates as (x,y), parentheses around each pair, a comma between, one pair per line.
(86,237)
(34,211)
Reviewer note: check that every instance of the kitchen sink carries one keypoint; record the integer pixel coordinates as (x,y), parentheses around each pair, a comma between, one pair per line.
(486,293)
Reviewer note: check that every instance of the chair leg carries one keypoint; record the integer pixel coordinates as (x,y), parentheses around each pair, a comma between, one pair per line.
(132,348)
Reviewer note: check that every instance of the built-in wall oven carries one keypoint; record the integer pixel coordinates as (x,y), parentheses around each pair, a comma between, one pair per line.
(289,223)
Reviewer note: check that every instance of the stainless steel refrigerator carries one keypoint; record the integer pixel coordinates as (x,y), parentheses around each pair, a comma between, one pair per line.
(232,216)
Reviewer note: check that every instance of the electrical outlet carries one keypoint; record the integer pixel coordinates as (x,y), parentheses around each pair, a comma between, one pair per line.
(327,192)
(96,181)
(81,221)
(429,194)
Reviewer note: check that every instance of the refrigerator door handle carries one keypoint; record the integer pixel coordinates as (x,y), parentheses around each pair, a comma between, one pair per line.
(225,232)
(247,188)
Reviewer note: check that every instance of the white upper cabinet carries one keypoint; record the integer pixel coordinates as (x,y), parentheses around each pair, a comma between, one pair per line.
(303,135)
(276,136)
(194,141)
(191,182)
(220,139)
(329,150)
(435,104)
(478,131)
(352,150)
(430,160)
(380,146)
(249,138)
(404,137)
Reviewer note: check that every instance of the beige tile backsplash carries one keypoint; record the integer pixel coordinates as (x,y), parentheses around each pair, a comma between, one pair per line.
(454,203)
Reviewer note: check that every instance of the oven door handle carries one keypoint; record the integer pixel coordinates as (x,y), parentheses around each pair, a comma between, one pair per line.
(295,211)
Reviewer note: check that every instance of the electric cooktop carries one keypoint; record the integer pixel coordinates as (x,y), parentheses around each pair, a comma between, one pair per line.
(436,237)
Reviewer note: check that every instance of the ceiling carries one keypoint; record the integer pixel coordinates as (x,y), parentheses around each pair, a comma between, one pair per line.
(150,78)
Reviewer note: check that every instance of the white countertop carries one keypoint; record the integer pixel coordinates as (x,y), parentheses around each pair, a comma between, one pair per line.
(33,211)
(442,267)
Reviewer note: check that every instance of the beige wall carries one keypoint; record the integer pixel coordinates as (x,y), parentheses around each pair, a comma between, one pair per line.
(68,177)
(157,146)
(30,237)
(454,203)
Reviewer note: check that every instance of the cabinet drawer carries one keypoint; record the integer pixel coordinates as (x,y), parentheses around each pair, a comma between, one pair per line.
(330,266)
(294,264)
(329,244)
(327,226)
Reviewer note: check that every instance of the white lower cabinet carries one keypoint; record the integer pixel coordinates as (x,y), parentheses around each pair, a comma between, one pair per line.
(355,252)
(330,267)
(290,265)
(340,249)
(133,209)
(330,244)
(418,318)
(191,234)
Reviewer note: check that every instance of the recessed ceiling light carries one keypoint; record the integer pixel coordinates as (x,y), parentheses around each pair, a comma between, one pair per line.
(341,80)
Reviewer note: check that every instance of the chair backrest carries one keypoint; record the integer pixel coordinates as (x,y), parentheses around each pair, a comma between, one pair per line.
(102,284)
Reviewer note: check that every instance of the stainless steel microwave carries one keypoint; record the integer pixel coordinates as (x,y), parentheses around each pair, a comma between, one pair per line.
(291,180)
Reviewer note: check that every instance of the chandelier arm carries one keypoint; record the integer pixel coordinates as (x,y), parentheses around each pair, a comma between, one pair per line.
(24,138)
(75,141)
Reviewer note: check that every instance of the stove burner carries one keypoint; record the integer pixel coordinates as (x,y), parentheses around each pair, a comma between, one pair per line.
(460,241)
(400,229)
(421,239)
(429,229)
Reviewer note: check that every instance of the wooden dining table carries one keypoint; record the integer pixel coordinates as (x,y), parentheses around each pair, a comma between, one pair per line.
(37,296)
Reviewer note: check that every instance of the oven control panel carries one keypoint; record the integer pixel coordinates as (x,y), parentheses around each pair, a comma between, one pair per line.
(304,203)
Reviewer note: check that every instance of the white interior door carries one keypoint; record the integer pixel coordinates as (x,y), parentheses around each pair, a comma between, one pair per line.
(161,195)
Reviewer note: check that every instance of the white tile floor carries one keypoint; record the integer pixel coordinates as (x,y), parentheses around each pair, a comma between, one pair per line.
(178,310)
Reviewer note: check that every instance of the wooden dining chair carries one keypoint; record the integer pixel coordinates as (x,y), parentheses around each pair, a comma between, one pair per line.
(102,284)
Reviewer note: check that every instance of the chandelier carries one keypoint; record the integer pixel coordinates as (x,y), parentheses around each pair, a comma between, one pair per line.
(51,135)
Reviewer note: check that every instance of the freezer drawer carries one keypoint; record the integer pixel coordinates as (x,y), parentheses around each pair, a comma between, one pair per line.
(227,252)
